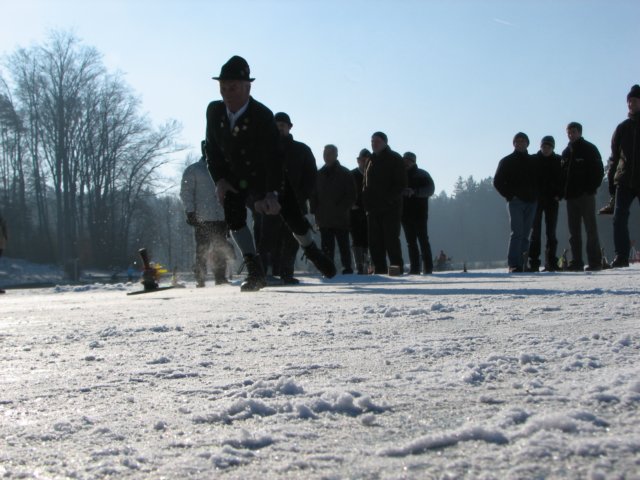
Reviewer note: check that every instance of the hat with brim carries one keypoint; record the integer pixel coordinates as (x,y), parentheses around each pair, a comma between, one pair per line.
(236,68)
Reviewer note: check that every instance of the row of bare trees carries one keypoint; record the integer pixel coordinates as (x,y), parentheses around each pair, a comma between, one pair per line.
(78,160)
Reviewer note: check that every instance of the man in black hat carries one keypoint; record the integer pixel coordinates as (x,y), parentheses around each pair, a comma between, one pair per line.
(624,175)
(548,204)
(516,179)
(359,236)
(247,167)
(582,173)
(384,181)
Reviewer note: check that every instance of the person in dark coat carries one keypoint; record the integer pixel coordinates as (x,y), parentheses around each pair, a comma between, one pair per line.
(205,214)
(624,176)
(334,196)
(247,168)
(359,237)
(548,204)
(516,179)
(582,174)
(415,214)
(276,245)
(384,181)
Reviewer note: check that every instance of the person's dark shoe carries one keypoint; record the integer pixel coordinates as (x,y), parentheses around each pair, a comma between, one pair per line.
(222,281)
(347,271)
(2,291)
(414,272)
(515,269)
(199,284)
(575,267)
(619,262)
(323,263)
(255,279)
(550,268)
(290,281)
(593,268)
(609,207)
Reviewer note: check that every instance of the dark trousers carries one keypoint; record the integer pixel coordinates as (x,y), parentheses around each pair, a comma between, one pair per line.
(235,209)
(416,233)
(328,239)
(624,198)
(384,238)
(275,244)
(549,208)
(211,242)
(583,210)
(359,234)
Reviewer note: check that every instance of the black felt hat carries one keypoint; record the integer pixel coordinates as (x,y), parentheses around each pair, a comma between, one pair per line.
(236,68)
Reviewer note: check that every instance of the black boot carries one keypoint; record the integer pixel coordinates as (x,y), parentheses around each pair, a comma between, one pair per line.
(323,263)
(255,279)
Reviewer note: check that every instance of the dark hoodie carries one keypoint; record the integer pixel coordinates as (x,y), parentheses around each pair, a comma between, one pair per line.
(624,163)
(582,169)
(518,176)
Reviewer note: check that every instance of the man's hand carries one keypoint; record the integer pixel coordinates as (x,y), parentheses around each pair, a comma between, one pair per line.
(269,205)
(222,187)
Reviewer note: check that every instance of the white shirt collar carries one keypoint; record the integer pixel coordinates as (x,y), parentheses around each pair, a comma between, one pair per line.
(233,117)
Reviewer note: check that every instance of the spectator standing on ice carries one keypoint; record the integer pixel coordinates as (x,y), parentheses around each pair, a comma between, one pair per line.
(334,196)
(247,168)
(205,214)
(415,214)
(359,237)
(548,204)
(582,173)
(516,179)
(4,237)
(385,179)
(624,176)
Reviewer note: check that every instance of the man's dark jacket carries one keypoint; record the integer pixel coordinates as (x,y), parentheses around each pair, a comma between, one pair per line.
(300,169)
(550,176)
(334,196)
(417,205)
(582,169)
(518,176)
(624,163)
(385,178)
(247,157)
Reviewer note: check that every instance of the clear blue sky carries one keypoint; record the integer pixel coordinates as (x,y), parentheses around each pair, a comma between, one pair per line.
(452,81)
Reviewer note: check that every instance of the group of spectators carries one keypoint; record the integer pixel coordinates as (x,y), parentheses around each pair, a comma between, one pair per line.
(533,186)
(254,162)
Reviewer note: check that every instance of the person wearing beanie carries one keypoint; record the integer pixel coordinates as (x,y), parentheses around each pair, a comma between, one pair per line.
(517,180)
(548,203)
(385,178)
(582,174)
(624,175)
(247,167)
(358,228)
(276,245)
(415,214)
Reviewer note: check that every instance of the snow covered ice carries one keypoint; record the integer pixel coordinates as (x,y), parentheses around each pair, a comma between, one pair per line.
(454,375)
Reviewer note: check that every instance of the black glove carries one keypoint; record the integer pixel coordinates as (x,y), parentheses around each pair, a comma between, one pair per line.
(192,219)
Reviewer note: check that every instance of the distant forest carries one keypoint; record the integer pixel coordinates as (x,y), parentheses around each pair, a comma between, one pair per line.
(80,182)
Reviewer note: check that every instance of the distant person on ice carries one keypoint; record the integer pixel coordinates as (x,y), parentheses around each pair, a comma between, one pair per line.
(582,174)
(334,196)
(548,204)
(516,179)
(624,176)
(385,178)
(415,213)
(358,217)
(205,214)
(247,167)
(4,238)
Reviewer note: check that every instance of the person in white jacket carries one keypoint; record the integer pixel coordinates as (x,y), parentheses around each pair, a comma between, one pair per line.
(205,214)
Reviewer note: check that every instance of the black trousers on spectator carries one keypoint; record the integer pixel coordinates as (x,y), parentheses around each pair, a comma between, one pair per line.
(549,208)
(384,238)
(276,245)
(359,234)
(416,234)
(328,239)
